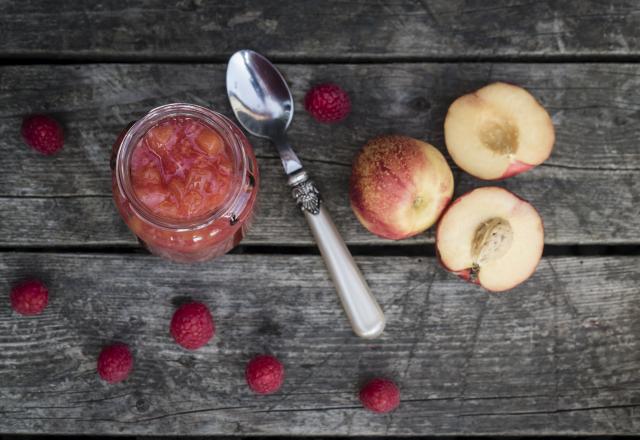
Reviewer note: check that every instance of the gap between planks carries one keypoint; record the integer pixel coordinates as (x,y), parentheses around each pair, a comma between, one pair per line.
(408,250)
(67,59)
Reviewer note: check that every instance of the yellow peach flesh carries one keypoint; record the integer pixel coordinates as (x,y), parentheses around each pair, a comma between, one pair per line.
(498,131)
(458,230)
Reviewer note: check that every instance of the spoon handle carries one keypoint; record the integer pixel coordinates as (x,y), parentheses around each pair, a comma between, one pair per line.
(362,309)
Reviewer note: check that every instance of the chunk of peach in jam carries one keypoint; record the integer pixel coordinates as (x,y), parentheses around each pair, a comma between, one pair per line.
(181,169)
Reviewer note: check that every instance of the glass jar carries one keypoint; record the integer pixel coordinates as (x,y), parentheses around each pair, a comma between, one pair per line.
(185,181)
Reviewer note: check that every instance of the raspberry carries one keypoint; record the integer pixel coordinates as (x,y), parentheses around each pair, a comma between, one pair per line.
(264,374)
(380,395)
(42,133)
(327,103)
(192,325)
(115,363)
(29,297)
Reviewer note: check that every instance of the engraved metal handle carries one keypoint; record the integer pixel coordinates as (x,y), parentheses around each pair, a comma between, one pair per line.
(363,311)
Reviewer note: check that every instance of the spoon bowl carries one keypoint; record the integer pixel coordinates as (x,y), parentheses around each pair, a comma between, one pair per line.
(259,95)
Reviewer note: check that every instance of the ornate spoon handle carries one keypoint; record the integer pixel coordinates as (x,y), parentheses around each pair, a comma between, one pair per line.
(362,309)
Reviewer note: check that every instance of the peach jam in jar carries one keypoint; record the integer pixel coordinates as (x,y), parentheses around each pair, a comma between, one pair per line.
(185,181)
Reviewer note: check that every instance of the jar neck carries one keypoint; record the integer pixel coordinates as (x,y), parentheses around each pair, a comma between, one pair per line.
(136,132)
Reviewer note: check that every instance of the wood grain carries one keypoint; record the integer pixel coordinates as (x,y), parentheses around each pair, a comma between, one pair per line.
(588,191)
(606,213)
(302,30)
(557,355)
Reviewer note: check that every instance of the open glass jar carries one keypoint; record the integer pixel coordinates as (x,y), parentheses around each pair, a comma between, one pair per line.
(185,181)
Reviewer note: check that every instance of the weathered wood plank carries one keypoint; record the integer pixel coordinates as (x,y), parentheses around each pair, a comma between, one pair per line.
(594,108)
(607,211)
(336,29)
(588,191)
(556,355)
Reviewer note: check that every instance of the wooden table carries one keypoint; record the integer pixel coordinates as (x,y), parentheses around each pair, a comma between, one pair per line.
(558,355)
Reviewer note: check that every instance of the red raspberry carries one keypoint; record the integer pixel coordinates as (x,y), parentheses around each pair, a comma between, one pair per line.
(264,374)
(29,297)
(43,133)
(327,103)
(380,395)
(192,325)
(115,363)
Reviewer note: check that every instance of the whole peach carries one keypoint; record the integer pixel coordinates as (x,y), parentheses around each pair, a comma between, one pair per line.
(399,186)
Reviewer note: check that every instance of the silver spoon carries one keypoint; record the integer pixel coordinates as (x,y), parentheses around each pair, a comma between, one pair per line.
(262,102)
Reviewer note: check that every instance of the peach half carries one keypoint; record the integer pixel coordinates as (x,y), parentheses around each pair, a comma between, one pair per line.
(491,237)
(498,131)
(399,186)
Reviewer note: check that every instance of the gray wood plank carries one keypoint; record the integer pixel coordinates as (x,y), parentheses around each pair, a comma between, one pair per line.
(557,355)
(594,108)
(608,212)
(336,29)
(587,192)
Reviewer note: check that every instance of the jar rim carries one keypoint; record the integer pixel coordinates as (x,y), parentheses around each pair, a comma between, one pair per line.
(215,120)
